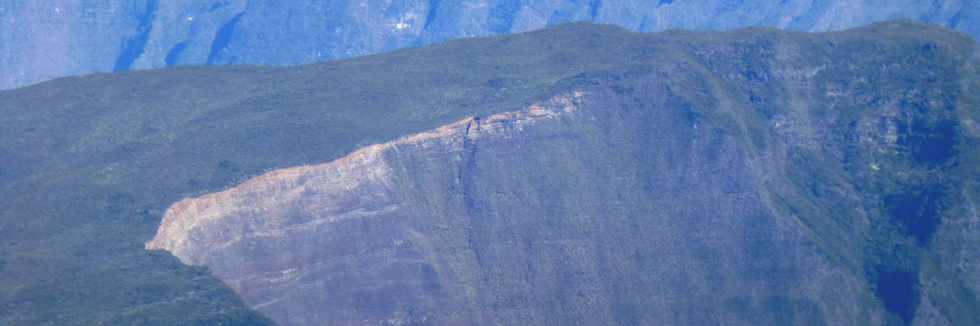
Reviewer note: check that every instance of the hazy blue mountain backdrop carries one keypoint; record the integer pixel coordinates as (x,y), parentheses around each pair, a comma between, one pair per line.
(42,39)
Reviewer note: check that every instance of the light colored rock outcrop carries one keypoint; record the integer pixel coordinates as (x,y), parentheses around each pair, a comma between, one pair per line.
(517,218)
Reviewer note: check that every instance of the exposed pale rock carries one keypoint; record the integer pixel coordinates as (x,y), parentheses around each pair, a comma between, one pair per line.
(515,218)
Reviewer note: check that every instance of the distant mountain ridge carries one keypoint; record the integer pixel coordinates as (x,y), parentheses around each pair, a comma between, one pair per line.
(49,39)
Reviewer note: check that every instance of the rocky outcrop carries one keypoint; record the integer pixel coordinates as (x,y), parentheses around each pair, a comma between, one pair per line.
(758,180)
(522,218)
(749,181)
(49,39)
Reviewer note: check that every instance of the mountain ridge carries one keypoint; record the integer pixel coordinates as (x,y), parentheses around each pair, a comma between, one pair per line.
(90,164)
(69,37)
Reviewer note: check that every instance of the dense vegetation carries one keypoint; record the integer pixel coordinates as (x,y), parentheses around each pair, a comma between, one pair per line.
(88,164)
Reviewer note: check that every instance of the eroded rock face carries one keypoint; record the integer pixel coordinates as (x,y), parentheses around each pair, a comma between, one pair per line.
(539,216)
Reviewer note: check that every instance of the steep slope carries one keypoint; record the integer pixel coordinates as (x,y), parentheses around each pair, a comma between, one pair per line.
(88,165)
(761,186)
(565,213)
(744,177)
(48,39)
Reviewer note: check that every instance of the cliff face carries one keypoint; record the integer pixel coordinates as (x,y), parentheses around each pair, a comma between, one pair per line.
(50,39)
(523,218)
(777,190)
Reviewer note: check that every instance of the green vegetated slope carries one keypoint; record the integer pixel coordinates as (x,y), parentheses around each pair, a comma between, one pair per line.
(870,131)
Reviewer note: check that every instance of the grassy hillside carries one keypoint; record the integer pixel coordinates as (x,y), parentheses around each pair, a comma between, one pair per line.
(88,164)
